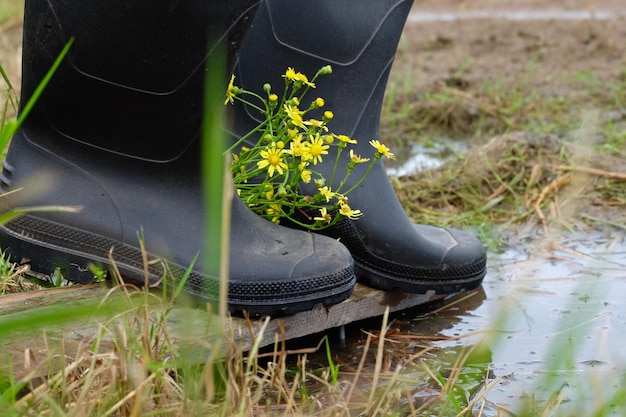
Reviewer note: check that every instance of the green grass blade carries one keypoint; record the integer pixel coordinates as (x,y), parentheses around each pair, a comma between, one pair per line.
(12,125)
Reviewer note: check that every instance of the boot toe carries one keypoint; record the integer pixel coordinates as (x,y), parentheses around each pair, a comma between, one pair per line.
(456,261)
(311,270)
(463,265)
(425,258)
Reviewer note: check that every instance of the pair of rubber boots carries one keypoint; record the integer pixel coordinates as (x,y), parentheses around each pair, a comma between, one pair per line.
(117,132)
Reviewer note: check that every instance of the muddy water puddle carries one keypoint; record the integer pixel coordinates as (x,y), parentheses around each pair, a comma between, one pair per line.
(550,315)
(422,156)
(556,312)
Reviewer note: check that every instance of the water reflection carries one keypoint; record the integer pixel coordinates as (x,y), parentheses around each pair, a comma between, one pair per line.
(425,156)
(555,317)
(550,318)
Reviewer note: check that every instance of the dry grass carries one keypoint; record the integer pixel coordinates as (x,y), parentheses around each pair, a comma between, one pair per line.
(134,366)
(11,10)
(518,177)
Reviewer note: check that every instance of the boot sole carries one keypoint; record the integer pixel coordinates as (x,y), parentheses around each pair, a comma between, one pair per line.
(47,246)
(376,279)
(386,275)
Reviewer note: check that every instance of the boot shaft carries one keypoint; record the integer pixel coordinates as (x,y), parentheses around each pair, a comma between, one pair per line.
(132,81)
(115,131)
(358,38)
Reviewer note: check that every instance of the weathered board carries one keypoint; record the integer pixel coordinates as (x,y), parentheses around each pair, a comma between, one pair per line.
(364,303)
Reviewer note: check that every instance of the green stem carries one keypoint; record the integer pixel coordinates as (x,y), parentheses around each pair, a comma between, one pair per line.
(362,177)
(332,176)
(246,136)
(255,95)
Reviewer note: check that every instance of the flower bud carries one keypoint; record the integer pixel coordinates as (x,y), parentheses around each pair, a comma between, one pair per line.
(327,69)
(267,88)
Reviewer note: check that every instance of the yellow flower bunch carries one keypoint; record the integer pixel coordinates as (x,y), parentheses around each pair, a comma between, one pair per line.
(272,162)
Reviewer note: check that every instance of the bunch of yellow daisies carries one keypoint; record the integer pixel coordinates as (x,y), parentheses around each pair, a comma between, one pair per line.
(289,144)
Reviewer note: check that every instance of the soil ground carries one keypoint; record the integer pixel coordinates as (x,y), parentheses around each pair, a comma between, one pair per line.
(493,49)
(534,43)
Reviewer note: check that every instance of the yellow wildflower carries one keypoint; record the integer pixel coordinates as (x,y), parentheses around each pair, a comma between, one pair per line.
(316,148)
(324,216)
(326,193)
(349,213)
(305,176)
(319,102)
(290,74)
(230,91)
(345,139)
(296,148)
(273,160)
(357,158)
(295,115)
(316,123)
(382,149)
(274,210)
(304,80)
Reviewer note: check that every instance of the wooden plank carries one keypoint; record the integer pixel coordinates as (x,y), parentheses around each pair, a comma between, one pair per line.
(364,303)
(191,324)
(17,302)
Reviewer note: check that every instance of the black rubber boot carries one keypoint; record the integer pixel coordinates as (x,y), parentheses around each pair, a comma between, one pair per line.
(117,132)
(358,39)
